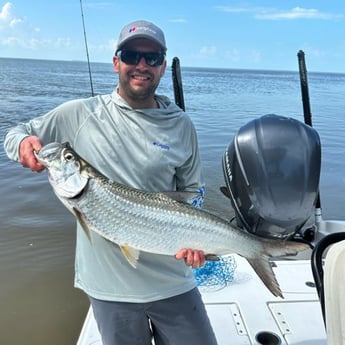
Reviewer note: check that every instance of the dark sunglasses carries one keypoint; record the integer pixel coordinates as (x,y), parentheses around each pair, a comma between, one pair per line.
(132,57)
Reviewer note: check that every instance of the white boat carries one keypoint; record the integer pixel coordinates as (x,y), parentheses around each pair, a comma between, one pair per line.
(243,311)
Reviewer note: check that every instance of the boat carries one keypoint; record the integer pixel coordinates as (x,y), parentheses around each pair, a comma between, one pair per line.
(245,313)
(242,311)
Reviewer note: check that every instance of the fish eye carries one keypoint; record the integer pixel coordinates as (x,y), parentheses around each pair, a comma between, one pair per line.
(69,157)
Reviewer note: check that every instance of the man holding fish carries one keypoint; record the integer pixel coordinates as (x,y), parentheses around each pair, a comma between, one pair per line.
(143,140)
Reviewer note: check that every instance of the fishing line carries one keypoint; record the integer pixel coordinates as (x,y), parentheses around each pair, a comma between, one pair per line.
(86,47)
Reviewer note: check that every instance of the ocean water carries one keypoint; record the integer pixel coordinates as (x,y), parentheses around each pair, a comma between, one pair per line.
(38,304)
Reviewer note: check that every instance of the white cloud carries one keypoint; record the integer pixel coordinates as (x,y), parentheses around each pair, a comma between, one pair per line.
(5,11)
(7,19)
(96,5)
(14,22)
(275,14)
(107,47)
(25,36)
(8,41)
(204,52)
(232,9)
(233,55)
(178,20)
(255,55)
(34,43)
(207,51)
(296,13)
(315,52)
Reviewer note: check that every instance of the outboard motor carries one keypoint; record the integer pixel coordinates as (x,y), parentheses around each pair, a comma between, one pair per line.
(272,171)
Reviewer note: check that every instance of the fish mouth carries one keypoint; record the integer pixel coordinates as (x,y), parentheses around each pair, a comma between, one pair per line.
(48,154)
(63,170)
(39,159)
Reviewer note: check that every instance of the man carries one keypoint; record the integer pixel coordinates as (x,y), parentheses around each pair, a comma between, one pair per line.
(143,140)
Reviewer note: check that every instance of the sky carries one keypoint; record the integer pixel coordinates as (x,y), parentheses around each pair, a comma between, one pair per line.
(249,34)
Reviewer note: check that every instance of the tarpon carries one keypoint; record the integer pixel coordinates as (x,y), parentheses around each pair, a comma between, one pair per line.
(153,222)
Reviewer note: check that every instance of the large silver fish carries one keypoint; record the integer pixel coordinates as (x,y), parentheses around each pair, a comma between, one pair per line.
(152,222)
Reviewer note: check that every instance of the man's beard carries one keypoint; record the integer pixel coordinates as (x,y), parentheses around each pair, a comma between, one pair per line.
(137,94)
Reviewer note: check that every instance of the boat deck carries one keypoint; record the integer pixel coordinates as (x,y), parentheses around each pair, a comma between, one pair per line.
(245,312)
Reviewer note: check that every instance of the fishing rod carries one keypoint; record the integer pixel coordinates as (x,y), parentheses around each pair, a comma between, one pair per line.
(86,47)
(306,108)
(177,83)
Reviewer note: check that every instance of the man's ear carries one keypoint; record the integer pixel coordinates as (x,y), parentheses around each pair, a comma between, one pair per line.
(163,68)
(116,64)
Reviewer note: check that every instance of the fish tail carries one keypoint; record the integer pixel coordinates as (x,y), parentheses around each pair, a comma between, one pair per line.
(263,267)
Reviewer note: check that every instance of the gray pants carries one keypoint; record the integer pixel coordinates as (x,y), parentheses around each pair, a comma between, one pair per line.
(179,320)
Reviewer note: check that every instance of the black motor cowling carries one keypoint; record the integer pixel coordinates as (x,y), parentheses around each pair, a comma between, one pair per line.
(272,171)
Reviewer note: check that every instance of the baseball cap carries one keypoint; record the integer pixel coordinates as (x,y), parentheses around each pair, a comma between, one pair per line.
(141,29)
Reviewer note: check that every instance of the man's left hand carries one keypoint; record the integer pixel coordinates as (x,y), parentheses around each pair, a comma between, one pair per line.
(192,257)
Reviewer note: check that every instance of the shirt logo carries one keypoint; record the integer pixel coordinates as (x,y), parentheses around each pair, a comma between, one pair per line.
(162,146)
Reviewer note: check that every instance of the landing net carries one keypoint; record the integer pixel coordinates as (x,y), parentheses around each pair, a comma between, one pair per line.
(216,274)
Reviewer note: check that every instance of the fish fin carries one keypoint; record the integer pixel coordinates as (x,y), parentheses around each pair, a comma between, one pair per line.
(182,197)
(225,191)
(211,257)
(131,255)
(264,270)
(82,222)
(274,248)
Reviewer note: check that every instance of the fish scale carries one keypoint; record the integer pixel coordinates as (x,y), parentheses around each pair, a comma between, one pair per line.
(134,221)
(158,223)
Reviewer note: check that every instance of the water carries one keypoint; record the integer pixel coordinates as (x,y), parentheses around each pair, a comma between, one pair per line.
(37,300)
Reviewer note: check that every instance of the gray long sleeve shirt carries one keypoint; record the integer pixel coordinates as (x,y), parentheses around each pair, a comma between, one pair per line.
(149,149)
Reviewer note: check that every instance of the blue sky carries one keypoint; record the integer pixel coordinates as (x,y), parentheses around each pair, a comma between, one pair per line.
(247,34)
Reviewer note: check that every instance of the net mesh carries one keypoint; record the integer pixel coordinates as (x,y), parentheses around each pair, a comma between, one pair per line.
(216,274)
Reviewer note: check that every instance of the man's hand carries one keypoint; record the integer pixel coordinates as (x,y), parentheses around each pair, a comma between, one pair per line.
(192,257)
(26,153)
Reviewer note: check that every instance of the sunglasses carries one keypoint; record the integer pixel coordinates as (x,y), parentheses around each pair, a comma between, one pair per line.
(132,57)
